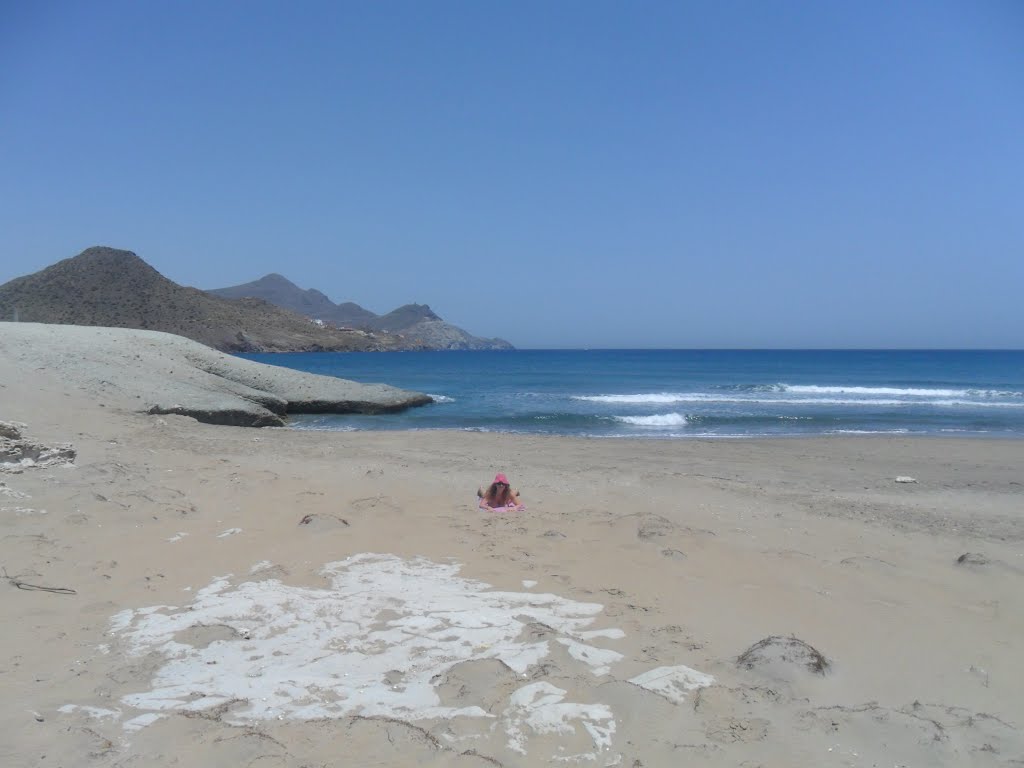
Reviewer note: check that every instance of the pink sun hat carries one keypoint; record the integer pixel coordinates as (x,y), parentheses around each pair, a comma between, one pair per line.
(500,478)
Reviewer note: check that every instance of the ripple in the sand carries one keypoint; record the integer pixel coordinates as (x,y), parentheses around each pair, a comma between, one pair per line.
(391,638)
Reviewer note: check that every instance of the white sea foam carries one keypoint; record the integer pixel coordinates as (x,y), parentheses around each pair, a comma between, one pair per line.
(977,403)
(711,397)
(321,426)
(658,420)
(813,389)
(668,398)
(640,399)
(441,398)
(868,431)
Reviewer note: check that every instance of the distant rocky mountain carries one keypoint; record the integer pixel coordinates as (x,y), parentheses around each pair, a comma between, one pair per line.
(437,334)
(417,323)
(110,287)
(311,303)
(406,316)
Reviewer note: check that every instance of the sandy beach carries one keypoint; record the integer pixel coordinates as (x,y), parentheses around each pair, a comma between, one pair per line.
(267,597)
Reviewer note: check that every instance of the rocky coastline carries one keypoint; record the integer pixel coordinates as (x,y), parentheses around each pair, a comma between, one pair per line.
(160,373)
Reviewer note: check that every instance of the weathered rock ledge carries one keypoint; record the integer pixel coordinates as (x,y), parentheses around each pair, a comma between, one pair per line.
(156,372)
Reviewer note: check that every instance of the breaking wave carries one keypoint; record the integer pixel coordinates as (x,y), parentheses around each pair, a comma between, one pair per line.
(863,396)
(658,420)
(668,398)
(814,389)
(641,399)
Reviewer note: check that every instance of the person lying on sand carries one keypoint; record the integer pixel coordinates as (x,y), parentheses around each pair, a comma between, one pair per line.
(499,495)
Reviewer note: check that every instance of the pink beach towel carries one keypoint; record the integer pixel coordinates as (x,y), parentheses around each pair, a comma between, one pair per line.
(508,508)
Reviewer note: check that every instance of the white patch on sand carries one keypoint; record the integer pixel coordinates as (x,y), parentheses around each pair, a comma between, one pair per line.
(529,583)
(540,707)
(229,532)
(23,510)
(261,565)
(96,712)
(178,536)
(374,643)
(6,490)
(599,659)
(672,682)
(613,633)
(140,722)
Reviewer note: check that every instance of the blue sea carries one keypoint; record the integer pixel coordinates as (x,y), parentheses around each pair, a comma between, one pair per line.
(679,394)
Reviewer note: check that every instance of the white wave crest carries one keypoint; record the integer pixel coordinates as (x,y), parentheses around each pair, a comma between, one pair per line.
(875,401)
(868,431)
(813,389)
(976,403)
(441,398)
(669,398)
(663,397)
(658,420)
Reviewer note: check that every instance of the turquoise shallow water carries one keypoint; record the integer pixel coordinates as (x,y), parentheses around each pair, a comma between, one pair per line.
(672,394)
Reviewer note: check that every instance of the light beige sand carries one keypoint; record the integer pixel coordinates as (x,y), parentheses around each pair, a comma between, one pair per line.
(693,550)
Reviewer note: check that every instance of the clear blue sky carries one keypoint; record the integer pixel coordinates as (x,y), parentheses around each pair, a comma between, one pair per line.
(586,173)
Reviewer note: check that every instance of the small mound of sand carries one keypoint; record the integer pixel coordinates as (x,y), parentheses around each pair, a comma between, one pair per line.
(780,657)
(654,527)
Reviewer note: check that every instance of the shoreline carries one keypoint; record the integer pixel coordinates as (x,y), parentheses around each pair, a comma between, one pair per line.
(880,435)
